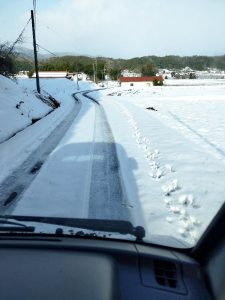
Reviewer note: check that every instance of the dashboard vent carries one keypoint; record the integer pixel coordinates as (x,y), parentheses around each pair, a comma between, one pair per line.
(166,273)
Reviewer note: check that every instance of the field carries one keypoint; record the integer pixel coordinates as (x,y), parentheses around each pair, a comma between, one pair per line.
(175,133)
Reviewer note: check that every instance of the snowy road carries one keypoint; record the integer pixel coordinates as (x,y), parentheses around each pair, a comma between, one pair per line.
(106,199)
(81,177)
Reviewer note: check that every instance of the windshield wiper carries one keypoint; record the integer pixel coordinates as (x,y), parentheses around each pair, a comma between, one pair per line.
(118,226)
(16,227)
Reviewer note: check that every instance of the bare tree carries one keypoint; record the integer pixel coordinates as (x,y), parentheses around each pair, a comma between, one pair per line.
(7,62)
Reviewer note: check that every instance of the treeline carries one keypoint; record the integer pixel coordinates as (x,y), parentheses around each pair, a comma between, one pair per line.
(82,64)
(199,63)
(149,64)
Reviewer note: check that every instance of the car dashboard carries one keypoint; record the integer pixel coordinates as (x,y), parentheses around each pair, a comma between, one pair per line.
(46,267)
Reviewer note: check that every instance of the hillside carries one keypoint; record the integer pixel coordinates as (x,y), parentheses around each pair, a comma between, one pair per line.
(113,66)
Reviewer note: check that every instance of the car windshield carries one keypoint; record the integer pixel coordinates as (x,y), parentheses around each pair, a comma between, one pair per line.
(112,118)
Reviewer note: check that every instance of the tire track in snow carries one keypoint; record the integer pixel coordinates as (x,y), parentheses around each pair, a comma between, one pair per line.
(214,146)
(107,199)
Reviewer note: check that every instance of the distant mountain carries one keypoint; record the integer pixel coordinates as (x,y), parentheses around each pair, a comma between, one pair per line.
(29,54)
(60,54)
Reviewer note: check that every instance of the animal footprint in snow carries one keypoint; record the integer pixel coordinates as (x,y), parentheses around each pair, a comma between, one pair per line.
(147,141)
(184,213)
(145,148)
(144,139)
(139,140)
(194,235)
(169,219)
(196,205)
(168,201)
(155,154)
(183,232)
(147,154)
(171,187)
(169,168)
(157,173)
(175,209)
(152,163)
(186,199)
(150,156)
(186,224)
(166,169)
(195,221)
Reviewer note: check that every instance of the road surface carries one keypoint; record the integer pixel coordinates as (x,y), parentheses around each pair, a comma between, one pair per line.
(76,173)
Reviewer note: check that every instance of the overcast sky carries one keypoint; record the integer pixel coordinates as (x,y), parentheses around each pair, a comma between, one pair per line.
(120,28)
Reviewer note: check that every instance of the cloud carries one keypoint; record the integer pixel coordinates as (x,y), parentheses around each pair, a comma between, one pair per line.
(132,27)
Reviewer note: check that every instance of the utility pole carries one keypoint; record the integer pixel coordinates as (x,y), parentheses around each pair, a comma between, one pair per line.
(106,76)
(94,71)
(35,53)
(77,79)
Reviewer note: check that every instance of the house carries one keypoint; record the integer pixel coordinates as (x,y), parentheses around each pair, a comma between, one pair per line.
(80,76)
(140,81)
(211,73)
(51,74)
(165,73)
(22,74)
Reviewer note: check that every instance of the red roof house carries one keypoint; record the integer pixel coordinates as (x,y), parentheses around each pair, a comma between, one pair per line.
(140,81)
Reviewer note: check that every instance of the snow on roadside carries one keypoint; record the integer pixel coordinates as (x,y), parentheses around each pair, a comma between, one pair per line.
(16,150)
(18,108)
(59,88)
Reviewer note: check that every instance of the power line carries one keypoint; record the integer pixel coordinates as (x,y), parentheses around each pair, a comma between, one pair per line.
(19,39)
(46,49)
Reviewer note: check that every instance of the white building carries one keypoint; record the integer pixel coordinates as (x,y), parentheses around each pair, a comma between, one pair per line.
(22,74)
(80,76)
(51,74)
(165,73)
(211,74)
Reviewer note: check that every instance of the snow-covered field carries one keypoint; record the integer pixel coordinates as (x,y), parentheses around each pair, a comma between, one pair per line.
(193,82)
(178,152)
(171,157)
